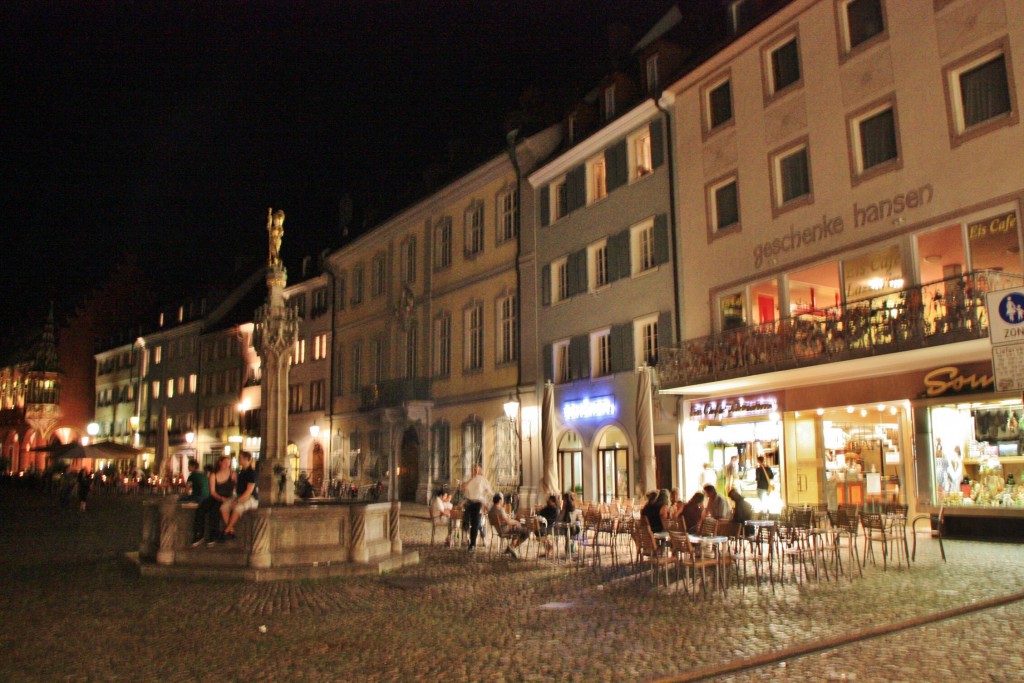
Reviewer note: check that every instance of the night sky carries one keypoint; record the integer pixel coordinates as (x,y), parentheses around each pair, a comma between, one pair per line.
(166,129)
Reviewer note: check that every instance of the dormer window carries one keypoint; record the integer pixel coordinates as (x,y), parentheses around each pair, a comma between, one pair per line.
(570,124)
(652,74)
(609,102)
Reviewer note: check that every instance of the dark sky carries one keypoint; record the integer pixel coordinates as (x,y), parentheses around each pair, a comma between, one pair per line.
(165,129)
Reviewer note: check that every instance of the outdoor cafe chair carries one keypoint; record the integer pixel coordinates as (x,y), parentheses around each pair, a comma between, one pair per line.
(845,528)
(689,558)
(875,531)
(649,552)
(709,526)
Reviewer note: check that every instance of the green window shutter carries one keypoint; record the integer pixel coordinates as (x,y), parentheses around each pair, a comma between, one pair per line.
(660,239)
(665,330)
(618,256)
(657,143)
(615,344)
(576,188)
(580,272)
(545,286)
(622,347)
(616,165)
(545,205)
(549,363)
(579,357)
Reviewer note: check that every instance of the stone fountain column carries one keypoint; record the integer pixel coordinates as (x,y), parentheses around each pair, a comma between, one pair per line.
(274,334)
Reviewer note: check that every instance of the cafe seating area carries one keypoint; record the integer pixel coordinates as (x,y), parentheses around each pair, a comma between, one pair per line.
(802,545)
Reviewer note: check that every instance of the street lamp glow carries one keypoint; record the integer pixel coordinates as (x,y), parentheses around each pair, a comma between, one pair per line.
(243,405)
(511,408)
(314,430)
(190,437)
(92,429)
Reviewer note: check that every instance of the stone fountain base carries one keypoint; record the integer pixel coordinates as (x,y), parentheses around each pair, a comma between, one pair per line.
(286,542)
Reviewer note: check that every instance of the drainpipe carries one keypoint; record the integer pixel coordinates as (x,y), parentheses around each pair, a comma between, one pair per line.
(667,117)
(330,371)
(513,157)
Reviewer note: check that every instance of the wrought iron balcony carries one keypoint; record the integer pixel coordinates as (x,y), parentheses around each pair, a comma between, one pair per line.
(393,392)
(941,312)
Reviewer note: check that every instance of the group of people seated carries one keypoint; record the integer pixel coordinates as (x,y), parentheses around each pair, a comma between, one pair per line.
(665,505)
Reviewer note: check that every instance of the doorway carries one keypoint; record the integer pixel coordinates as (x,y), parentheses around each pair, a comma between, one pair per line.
(316,476)
(409,466)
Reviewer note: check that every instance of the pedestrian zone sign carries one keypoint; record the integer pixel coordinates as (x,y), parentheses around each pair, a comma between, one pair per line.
(1006,332)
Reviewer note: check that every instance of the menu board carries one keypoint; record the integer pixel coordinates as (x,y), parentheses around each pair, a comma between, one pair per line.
(1008,367)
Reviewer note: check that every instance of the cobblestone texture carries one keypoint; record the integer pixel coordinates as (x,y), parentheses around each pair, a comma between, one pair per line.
(74,613)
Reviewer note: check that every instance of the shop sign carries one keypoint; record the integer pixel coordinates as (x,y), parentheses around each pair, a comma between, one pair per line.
(732,408)
(589,408)
(1006,333)
(950,379)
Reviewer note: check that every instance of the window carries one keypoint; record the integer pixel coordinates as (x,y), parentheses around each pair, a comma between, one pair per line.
(320,347)
(378,276)
(157,354)
(559,199)
(640,154)
(295,398)
(601,353)
(473,351)
(791,177)
(316,395)
(357,285)
(377,358)
(473,229)
(299,352)
(718,104)
(508,203)
(298,301)
(443,244)
(192,380)
(441,363)
(641,250)
(409,357)
(472,445)
(609,103)
(861,20)
(559,280)
(645,340)
(408,259)
(597,179)
(980,92)
(782,65)
(170,388)
(560,351)
(441,433)
(156,389)
(873,140)
(319,302)
(723,206)
(342,290)
(597,262)
(570,128)
(740,12)
(651,68)
(357,366)
(508,329)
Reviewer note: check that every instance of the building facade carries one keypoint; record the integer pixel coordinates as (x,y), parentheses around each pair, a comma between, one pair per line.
(850,197)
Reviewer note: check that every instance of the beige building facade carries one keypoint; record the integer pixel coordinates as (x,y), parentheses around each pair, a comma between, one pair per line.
(850,197)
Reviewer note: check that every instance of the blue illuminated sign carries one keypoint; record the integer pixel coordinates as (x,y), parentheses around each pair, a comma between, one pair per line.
(589,408)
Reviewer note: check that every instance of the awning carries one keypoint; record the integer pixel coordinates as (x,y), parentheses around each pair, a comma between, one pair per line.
(106,451)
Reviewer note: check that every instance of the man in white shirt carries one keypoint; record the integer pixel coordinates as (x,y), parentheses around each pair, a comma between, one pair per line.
(441,513)
(477,492)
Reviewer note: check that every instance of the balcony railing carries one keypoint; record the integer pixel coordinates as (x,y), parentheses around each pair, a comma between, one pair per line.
(941,312)
(393,392)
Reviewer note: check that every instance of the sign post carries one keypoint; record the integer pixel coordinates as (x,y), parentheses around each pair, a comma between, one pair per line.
(1006,333)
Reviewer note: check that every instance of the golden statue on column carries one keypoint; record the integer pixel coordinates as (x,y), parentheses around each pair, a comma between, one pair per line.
(275,226)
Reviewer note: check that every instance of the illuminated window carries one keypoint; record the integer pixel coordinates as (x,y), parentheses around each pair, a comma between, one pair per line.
(601,353)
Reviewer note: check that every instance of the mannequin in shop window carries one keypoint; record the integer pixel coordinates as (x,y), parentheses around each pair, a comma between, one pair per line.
(942,475)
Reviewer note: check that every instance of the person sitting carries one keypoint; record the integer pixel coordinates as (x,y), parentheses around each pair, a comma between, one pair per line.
(222,488)
(743,512)
(665,511)
(197,482)
(716,506)
(676,503)
(652,511)
(498,518)
(246,498)
(550,514)
(692,512)
(441,513)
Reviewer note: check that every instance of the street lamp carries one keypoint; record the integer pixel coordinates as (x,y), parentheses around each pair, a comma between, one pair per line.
(134,421)
(92,429)
(314,430)
(511,407)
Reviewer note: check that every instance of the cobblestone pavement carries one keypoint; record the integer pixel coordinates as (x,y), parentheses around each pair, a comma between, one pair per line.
(72,612)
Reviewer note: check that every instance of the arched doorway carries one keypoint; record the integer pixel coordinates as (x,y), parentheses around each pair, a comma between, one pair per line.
(409,465)
(613,480)
(570,463)
(316,466)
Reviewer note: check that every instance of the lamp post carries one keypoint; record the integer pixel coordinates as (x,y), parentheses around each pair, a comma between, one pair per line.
(314,432)
(511,407)
(134,421)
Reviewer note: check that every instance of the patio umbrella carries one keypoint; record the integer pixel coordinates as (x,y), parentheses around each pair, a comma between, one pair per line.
(645,428)
(549,481)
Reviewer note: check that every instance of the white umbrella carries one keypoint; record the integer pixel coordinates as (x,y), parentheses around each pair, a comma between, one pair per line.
(549,481)
(645,429)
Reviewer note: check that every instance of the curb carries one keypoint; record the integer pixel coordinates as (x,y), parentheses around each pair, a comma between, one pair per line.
(810,647)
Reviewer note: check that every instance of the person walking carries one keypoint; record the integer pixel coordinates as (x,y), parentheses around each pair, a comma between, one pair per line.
(477,492)
(84,484)
(764,477)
